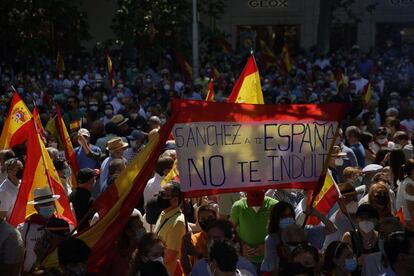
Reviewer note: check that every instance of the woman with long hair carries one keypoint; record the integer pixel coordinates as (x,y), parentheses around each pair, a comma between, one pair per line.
(405,193)
(339,260)
(397,160)
(149,258)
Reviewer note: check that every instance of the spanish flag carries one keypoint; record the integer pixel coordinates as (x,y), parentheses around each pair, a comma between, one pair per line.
(16,125)
(210,91)
(38,122)
(185,67)
(111,71)
(367,92)
(67,145)
(117,202)
(173,175)
(39,172)
(247,88)
(326,199)
(267,55)
(340,80)
(287,60)
(60,63)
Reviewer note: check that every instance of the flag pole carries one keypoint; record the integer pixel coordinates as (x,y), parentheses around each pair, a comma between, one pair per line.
(321,179)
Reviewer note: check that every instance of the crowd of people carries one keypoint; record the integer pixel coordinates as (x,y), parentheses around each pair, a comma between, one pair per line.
(369,231)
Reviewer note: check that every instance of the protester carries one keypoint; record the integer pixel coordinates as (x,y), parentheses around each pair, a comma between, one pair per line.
(250,216)
(162,168)
(5,154)
(171,225)
(339,260)
(87,155)
(34,226)
(405,192)
(11,249)
(149,258)
(10,186)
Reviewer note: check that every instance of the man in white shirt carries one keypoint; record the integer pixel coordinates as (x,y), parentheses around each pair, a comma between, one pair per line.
(10,186)
(5,154)
(163,167)
(359,82)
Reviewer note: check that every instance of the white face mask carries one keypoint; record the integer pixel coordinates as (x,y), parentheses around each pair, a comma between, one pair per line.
(159,259)
(381,141)
(339,162)
(352,207)
(366,226)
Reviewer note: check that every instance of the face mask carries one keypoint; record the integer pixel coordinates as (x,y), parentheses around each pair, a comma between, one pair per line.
(163,120)
(382,200)
(358,181)
(120,96)
(352,207)
(204,224)
(159,259)
(134,144)
(108,112)
(81,109)
(163,203)
(133,115)
(366,226)
(167,87)
(20,90)
(104,98)
(256,208)
(381,141)
(350,265)
(339,162)
(285,222)
(19,174)
(93,107)
(46,211)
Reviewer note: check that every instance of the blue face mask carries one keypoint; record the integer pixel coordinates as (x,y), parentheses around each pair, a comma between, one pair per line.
(285,222)
(46,211)
(350,265)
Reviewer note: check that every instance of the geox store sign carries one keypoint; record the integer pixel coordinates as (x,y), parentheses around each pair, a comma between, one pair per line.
(268,3)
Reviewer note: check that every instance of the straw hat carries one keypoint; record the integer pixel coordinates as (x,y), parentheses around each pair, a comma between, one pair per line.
(43,195)
(116,144)
(119,119)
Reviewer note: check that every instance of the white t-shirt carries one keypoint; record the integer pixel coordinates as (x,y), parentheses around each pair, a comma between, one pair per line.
(403,197)
(8,195)
(153,187)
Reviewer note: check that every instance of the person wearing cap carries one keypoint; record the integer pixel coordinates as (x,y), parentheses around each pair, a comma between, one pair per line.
(353,134)
(344,217)
(81,197)
(34,226)
(87,155)
(137,143)
(381,140)
(116,148)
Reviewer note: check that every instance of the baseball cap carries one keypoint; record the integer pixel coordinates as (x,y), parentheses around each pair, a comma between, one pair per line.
(86,174)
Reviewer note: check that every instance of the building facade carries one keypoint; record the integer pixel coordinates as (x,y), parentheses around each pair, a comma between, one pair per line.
(296,21)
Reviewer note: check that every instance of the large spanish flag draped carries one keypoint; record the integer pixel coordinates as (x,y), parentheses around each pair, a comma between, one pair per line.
(247,88)
(326,198)
(287,60)
(39,172)
(16,125)
(117,202)
(367,92)
(111,71)
(210,91)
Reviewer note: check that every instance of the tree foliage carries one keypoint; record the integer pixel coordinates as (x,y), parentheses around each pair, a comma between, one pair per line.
(36,27)
(153,26)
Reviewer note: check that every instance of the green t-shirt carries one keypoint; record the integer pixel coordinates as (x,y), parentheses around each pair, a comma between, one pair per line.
(252,226)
